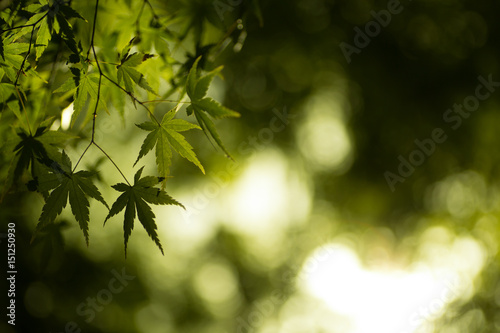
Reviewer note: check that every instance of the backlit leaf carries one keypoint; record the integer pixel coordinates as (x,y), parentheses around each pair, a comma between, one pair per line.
(135,199)
(196,88)
(166,136)
(75,186)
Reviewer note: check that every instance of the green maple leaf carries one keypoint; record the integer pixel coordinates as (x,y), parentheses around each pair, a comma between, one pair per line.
(9,100)
(28,151)
(61,25)
(43,38)
(67,12)
(39,11)
(32,150)
(135,199)
(127,72)
(50,19)
(6,91)
(11,59)
(164,136)
(65,184)
(155,36)
(84,85)
(196,88)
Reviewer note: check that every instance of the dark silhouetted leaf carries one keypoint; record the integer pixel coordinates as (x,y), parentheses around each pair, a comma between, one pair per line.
(196,88)
(135,200)
(77,186)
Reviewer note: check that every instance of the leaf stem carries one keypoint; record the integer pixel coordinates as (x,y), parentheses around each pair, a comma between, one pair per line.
(84,152)
(138,19)
(166,100)
(133,97)
(23,26)
(100,71)
(109,158)
(152,9)
(96,105)
(107,63)
(93,30)
(101,74)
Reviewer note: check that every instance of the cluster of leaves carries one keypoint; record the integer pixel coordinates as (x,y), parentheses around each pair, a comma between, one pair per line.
(44,41)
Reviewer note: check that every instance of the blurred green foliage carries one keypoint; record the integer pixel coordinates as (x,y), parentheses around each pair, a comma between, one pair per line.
(315,138)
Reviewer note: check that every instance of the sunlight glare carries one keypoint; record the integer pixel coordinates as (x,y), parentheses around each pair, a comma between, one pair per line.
(66,116)
(390,301)
(323,137)
(268,196)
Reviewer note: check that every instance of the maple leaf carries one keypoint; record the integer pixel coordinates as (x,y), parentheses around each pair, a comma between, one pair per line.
(164,136)
(155,36)
(84,85)
(50,19)
(28,151)
(65,184)
(126,71)
(34,151)
(196,88)
(43,38)
(39,11)
(135,199)
(9,100)
(11,59)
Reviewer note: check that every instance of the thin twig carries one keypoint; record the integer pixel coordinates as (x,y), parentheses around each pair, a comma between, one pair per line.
(93,29)
(84,152)
(96,105)
(101,74)
(23,26)
(167,101)
(152,9)
(116,166)
(133,97)
(106,62)
(138,19)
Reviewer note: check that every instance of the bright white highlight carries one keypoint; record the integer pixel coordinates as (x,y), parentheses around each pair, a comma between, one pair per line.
(268,196)
(323,137)
(66,116)
(390,301)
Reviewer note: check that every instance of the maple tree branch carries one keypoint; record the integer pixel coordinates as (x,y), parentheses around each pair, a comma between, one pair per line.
(93,30)
(101,74)
(167,101)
